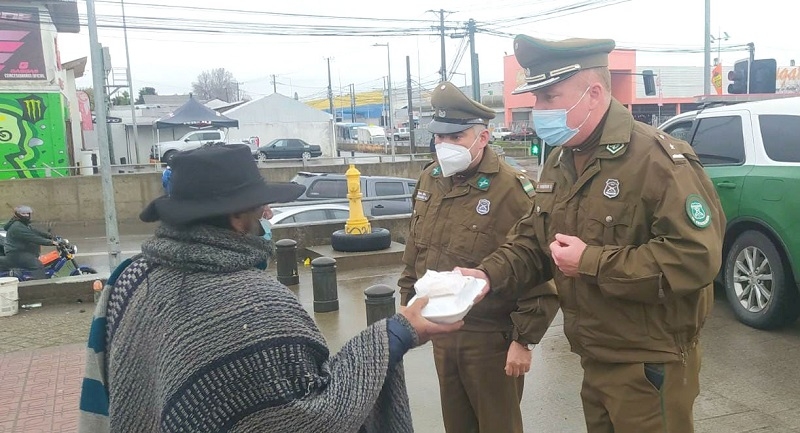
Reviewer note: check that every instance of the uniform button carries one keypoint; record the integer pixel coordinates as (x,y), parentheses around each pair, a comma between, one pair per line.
(609,219)
(661,136)
(474,227)
(538,209)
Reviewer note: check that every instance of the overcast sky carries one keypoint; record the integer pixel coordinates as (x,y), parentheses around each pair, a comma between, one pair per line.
(170,61)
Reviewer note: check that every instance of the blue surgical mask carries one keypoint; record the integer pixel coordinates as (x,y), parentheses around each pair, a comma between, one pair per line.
(265,224)
(551,125)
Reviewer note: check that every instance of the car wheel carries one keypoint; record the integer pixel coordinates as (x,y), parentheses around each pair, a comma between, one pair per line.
(168,156)
(262,157)
(378,239)
(306,155)
(759,288)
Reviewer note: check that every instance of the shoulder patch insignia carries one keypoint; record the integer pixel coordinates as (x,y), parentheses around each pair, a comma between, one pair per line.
(697,211)
(527,185)
(436,171)
(483,183)
(614,148)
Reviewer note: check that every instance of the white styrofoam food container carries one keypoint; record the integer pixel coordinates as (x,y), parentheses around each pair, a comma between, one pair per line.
(452,308)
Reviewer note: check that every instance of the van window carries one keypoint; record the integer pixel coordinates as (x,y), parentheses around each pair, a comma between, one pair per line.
(328,188)
(719,141)
(781,136)
(389,188)
(680,130)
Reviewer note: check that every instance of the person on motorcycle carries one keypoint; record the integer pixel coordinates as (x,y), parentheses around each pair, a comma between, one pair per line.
(23,242)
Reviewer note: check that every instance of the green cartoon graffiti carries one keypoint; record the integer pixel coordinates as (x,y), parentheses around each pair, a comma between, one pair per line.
(31,142)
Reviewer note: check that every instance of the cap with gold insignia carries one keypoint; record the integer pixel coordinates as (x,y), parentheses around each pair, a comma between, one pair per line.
(549,62)
(454,112)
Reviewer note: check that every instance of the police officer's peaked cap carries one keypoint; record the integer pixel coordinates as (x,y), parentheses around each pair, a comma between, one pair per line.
(454,112)
(548,62)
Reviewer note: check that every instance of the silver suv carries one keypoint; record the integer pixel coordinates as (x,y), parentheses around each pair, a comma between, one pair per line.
(333,187)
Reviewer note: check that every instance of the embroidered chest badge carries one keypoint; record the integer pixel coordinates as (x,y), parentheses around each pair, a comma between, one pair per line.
(423,195)
(614,148)
(697,210)
(483,206)
(436,171)
(483,183)
(612,188)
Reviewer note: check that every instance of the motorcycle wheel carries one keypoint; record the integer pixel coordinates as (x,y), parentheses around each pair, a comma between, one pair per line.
(83,270)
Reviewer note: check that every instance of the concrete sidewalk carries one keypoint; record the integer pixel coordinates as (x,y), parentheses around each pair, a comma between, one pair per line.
(749,379)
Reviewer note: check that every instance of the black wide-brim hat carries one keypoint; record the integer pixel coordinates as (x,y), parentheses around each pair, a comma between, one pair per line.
(214,181)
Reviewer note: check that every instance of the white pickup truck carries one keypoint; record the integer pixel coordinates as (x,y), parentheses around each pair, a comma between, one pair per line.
(164,151)
(402,134)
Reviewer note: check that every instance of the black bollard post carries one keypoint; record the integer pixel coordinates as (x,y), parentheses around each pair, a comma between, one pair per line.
(287,262)
(380,302)
(323,278)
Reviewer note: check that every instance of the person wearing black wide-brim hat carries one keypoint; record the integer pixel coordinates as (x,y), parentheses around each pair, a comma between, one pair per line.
(631,228)
(195,336)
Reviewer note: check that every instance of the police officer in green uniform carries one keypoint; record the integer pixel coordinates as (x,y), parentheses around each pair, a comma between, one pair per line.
(464,205)
(630,227)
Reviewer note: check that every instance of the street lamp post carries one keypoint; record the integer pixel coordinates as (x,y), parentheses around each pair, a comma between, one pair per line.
(389,90)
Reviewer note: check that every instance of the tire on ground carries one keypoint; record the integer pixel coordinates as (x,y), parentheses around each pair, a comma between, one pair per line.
(784,306)
(379,239)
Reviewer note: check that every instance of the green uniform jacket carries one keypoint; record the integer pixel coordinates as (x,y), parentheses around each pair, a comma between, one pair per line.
(21,238)
(654,227)
(459,226)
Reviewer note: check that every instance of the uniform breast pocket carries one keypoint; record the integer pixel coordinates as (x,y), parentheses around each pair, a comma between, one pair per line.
(607,222)
(543,206)
(419,222)
(472,238)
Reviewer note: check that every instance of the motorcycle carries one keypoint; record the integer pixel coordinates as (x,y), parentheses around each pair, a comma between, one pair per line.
(57,263)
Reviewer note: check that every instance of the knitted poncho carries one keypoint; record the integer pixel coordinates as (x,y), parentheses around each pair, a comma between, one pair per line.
(191,337)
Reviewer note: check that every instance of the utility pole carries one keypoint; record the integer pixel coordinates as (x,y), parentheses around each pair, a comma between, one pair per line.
(752,48)
(353,102)
(476,81)
(412,143)
(707,51)
(109,206)
(443,70)
(274,84)
(330,92)
(130,86)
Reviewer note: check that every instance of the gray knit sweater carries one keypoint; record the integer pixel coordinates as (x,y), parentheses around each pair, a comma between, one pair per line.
(199,340)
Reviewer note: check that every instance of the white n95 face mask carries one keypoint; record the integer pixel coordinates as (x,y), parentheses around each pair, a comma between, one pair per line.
(454,158)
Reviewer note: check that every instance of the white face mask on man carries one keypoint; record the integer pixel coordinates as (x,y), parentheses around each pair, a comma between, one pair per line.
(454,158)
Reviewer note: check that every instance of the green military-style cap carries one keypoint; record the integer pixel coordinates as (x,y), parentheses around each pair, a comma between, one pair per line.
(549,62)
(454,112)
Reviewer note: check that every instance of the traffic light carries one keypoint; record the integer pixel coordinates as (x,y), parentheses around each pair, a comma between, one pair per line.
(536,148)
(763,73)
(649,82)
(738,78)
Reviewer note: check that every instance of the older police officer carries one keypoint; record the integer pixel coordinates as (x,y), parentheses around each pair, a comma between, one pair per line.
(630,227)
(464,205)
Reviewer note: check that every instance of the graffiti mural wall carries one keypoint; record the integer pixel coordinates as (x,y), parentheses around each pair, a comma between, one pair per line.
(32,136)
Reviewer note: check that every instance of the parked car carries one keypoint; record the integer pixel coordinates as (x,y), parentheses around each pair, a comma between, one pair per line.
(284,148)
(402,134)
(329,186)
(164,151)
(751,154)
(308,214)
(501,133)
(524,133)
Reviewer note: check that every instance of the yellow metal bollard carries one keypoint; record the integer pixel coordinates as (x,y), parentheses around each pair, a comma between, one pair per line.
(357,223)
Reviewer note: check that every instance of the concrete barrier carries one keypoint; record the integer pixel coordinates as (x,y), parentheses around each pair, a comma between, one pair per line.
(59,290)
(77,199)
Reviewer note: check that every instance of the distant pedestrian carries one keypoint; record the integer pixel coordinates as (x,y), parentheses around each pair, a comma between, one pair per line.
(165,178)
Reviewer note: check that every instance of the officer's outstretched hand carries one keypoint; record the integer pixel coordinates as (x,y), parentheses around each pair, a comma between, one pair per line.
(477,273)
(518,360)
(424,327)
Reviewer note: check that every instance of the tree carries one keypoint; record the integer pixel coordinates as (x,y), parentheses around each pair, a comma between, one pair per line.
(89,92)
(145,91)
(123,99)
(216,84)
